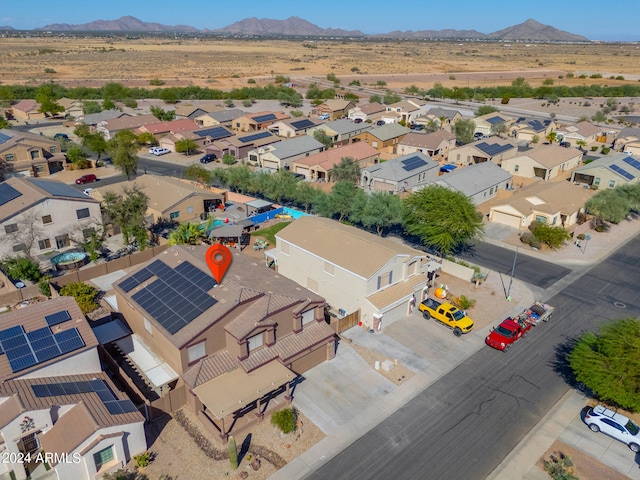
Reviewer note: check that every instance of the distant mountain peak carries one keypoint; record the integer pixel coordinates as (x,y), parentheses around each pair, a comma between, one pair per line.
(122,24)
(292,26)
(535,31)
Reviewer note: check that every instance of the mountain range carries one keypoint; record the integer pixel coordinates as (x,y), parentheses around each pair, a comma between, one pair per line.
(529,30)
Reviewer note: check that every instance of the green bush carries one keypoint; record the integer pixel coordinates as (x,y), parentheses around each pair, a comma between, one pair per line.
(504,100)
(285,420)
(142,460)
(22,268)
(553,236)
(594,148)
(251,80)
(44,285)
(527,237)
(85,295)
(156,82)
(463,302)
(582,236)
(605,150)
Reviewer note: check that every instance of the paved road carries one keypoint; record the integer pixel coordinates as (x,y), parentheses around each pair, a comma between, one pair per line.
(464,425)
(528,269)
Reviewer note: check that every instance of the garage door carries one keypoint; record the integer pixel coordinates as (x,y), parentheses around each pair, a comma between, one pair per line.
(382,186)
(506,219)
(316,357)
(303,171)
(273,165)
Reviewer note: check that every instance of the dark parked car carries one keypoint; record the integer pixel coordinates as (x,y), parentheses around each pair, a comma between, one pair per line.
(208,158)
(61,136)
(565,144)
(381,122)
(357,120)
(86,179)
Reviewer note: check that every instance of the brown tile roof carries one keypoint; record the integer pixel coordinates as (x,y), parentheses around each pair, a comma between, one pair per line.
(397,291)
(32,318)
(337,104)
(550,156)
(372,108)
(329,158)
(256,314)
(212,366)
(556,197)
(585,129)
(123,123)
(175,126)
(25,105)
(71,429)
(430,141)
(9,410)
(348,247)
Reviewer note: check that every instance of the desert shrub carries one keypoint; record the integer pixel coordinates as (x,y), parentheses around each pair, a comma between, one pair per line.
(22,268)
(504,100)
(582,236)
(560,467)
(535,243)
(85,295)
(594,148)
(605,150)
(463,302)
(44,285)
(285,420)
(533,225)
(281,79)
(527,237)
(228,159)
(142,460)
(251,80)
(296,113)
(156,82)
(49,70)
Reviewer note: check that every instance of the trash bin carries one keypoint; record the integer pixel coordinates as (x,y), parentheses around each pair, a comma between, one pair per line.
(377,322)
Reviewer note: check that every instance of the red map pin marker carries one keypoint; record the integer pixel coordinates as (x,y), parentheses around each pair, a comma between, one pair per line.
(218,258)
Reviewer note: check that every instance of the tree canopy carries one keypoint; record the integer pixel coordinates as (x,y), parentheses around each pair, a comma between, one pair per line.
(463,130)
(127,211)
(608,362)
(610,205)
(443,219)
(321,136)
(123,148)
(348,169)
(484,109)
(187,146)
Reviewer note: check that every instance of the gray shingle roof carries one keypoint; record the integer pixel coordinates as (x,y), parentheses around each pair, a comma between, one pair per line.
(395,169)
(475,178)
(389,131)
(296,146)
(344,126)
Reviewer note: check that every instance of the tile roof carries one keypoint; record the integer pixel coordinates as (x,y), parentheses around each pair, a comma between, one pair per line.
(389,131)
(443,112)
(388,296)
(95,118)
(25,105)
(124,123)
(397,171)
(174,126)
(226,115)
(336,104)
(584,129)
(550,156)
(345,126)
(615,162)
(347,247)
(295,146)
(549,197)
(327,159)
(431,141)
(475,179)
(371,108)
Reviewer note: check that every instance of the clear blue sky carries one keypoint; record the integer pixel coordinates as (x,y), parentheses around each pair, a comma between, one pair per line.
(595,19)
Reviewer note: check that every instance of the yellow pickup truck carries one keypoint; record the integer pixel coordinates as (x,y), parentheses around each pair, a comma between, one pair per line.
(447,314)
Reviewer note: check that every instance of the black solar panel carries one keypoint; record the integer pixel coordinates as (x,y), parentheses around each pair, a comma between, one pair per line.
(7,193)
(622,172)
(4,138)
(300,124)
(412,163)
(177,296)
(58,189)
(536,125)
(264,118)
(58,317)
(255,136)
(495,120)
(633,162)
(493,149)
(136,279)
(215,133)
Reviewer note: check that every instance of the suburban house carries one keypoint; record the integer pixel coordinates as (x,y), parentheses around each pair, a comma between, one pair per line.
(223,117)
(27,110)
(369,112)
(94,119)
(554,203)
(234,346)
(39,217)
(28,154)
(72,108)
(108,128)
(443,117)
(628,140)
(169,198)
(543,161)
(341,132)
(480,183)
(192,111)
(292,127)
(493,149)
(282,154)
(316,167)
(354,270)
(170,140)
(385,138)
(609,171)
(491,122)
(435,144)
(160,129)
(401,174)
(407,110)
(56,404)
(253,122)
(240,146)
(335,108)
(583,131)
(528,128)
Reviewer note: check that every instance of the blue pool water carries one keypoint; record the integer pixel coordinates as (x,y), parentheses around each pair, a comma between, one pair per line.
(295,214)
(68,257)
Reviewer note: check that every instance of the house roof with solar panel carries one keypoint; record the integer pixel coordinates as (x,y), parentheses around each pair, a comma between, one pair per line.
(34,338)
(251,140)
(610,171)
(258,120)
(402,173)
(491,119)
(291,127)
(218,118)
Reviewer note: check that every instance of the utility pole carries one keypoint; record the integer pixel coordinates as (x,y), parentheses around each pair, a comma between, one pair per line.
(513,268)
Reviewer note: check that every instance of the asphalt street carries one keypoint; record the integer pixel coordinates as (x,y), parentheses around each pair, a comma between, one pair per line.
(465,424)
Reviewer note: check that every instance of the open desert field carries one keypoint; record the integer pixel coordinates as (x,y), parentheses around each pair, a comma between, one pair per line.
(224,64)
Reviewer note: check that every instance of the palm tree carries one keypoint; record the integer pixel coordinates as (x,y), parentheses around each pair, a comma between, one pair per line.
(581,144)
(186,234)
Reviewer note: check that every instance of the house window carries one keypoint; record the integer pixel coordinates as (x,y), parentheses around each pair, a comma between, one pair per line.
(62,241)
(189,209)
(103,457)
(458,157)
(255,342)
(284,248)
(82,213)
(46,219)
(374,144)
(11,228)
(596,181)
(9,157)
(21,247)
(328,268)
(35,154)
(173,215)
(53,149)
(385,279)
(612,183)
(308,317)
(44,244)
(147,326)
(196,352)
(516,168)
(39,168)
(541,219)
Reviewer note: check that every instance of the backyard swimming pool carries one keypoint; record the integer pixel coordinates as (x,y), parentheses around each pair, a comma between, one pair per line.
(69,260)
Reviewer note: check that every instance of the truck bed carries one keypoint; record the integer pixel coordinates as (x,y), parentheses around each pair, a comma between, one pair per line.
(538,312)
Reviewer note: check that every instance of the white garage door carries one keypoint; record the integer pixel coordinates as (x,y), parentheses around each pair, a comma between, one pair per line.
(303,171)
(506,219)
(382,186)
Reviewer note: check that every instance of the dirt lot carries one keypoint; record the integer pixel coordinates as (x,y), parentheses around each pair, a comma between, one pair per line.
(222,63)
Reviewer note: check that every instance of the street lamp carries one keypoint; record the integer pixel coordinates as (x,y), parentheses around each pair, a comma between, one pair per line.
(586,240)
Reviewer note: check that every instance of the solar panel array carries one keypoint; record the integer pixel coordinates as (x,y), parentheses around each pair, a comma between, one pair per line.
(255,136)
(304,123)
(4,138)
(215,133)
(25,350)
(58,189)
(108,398)
(412,163)
(136,279)
(621,171)
(177,296)
(492,149)
(264,118)
(495,120)
(7,193)
(633,162)
(536,125)
(58,318)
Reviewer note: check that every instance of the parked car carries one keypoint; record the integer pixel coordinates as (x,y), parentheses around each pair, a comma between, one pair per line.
(61,136)
(357,120)
(447,314)
(157,151)
(208,158)
(565,144)
(478,135)
(381,122)
(616,425)
(86,179)
(324,116)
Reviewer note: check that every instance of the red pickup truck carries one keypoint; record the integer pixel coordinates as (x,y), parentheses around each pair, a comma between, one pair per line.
(507,333)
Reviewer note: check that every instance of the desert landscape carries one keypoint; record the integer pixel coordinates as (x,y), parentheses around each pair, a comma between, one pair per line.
(228,63)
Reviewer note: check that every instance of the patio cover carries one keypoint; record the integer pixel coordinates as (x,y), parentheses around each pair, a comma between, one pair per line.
(258,204)
(234,390)
(159,373)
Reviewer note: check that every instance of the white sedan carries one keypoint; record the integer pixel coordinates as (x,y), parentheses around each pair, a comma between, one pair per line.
(157,151)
